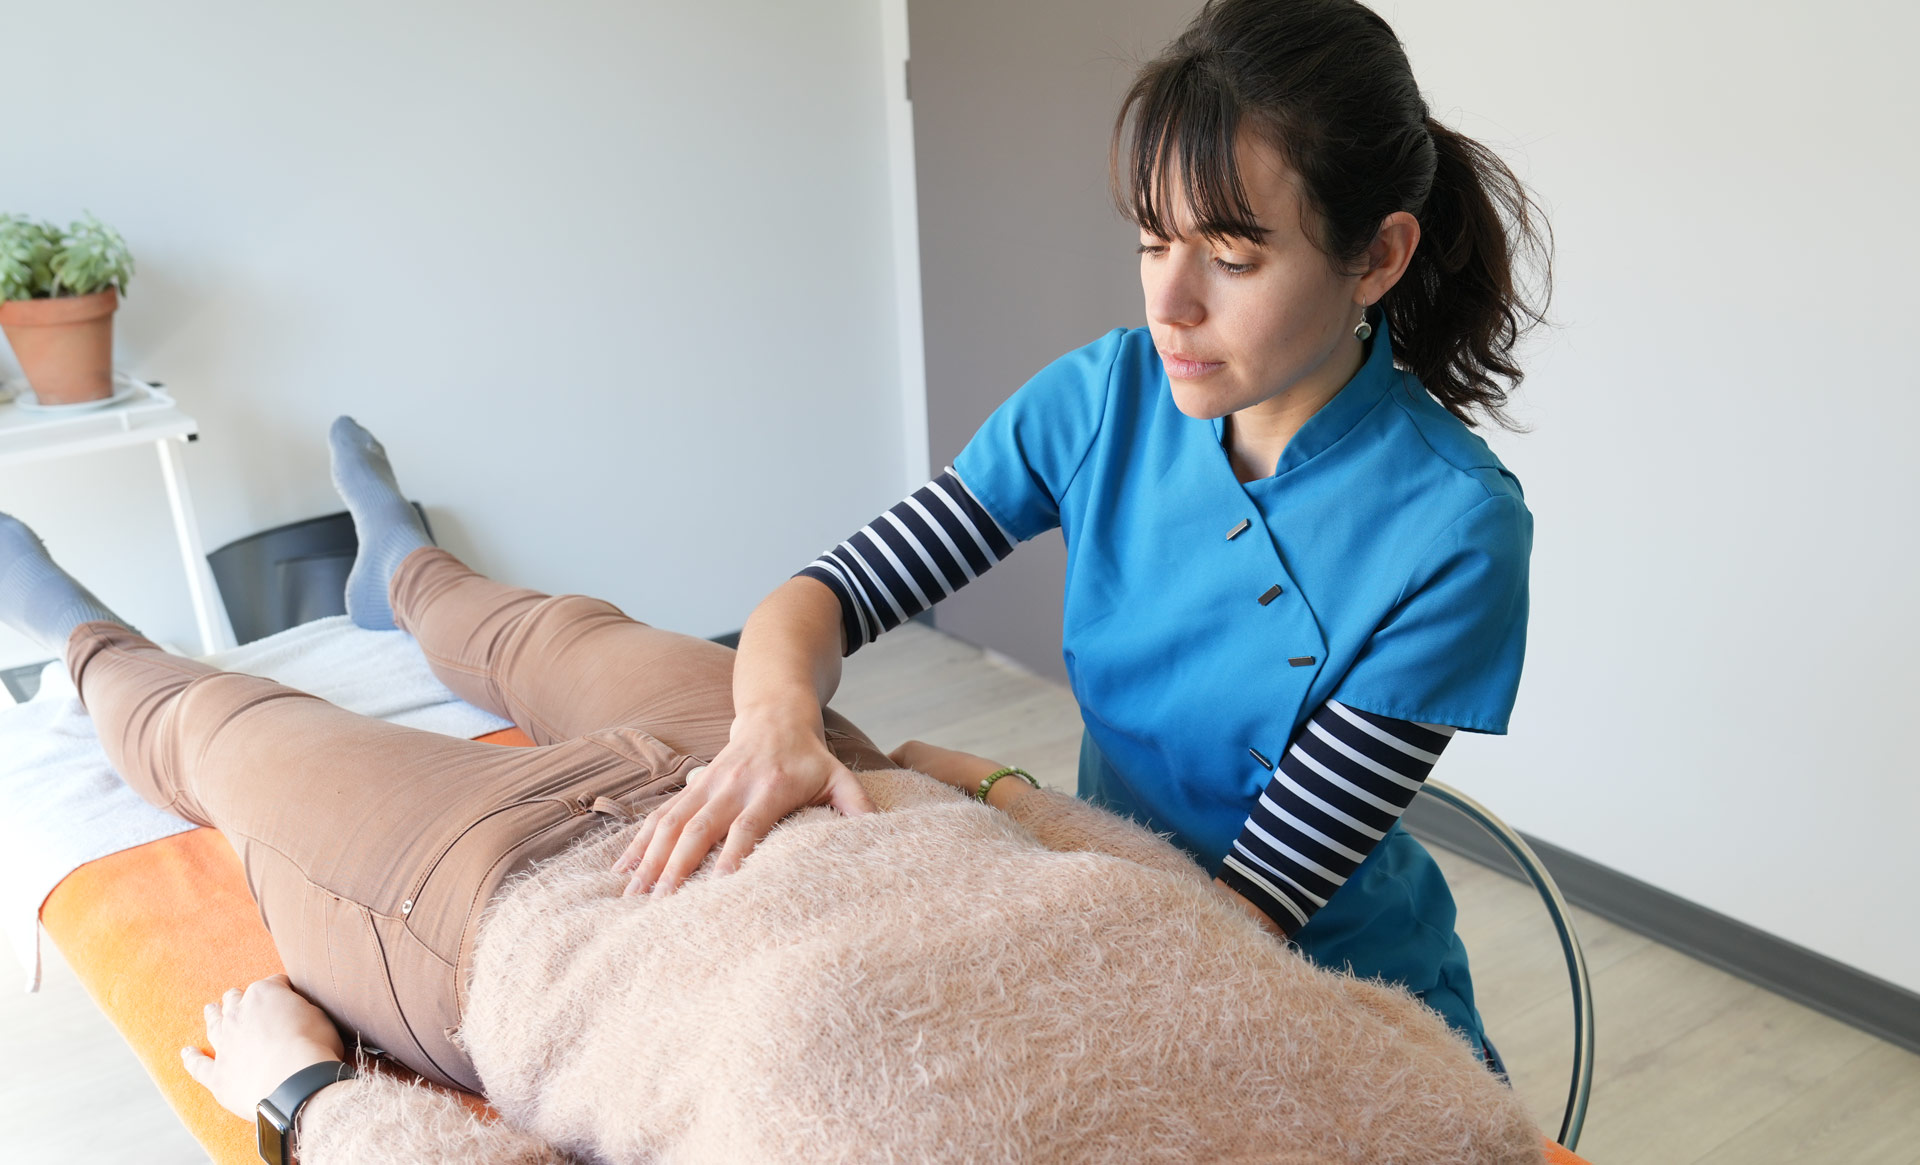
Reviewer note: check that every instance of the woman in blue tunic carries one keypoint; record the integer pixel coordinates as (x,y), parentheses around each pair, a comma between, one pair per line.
(1293,571)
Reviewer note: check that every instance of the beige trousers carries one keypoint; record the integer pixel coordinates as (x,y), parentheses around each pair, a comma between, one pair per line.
(372,849)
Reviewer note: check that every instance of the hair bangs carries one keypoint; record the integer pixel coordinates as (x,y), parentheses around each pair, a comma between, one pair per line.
(1182,163)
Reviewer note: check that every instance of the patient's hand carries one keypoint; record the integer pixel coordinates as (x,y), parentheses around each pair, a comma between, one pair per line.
(259,1038)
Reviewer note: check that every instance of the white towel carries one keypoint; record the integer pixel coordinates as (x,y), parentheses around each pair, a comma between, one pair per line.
(62,806)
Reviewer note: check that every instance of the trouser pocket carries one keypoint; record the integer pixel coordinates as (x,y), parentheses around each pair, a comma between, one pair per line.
(450,893)
(613,774)
(345,965)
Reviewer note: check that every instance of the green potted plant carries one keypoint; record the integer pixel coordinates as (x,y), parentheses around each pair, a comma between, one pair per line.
(58,293)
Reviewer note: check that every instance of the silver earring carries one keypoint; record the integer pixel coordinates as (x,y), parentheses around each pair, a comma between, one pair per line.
(1363,331)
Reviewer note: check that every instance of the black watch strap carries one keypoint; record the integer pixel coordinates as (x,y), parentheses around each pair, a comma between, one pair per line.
(275,1116)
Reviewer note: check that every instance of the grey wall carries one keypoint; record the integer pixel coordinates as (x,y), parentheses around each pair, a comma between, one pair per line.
(1022,255)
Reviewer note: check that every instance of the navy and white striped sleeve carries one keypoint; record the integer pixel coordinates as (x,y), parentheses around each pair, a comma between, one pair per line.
(1342,783)
(937,540)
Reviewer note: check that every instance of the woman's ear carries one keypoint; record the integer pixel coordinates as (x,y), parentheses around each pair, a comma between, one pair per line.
(1389,254)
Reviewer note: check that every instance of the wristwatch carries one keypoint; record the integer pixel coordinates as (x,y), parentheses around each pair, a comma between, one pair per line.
(274,1116)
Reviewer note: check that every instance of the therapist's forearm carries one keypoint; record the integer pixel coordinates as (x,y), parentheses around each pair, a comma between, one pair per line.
(788,665)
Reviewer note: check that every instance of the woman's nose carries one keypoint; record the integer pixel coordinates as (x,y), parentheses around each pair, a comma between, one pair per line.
(1172,292)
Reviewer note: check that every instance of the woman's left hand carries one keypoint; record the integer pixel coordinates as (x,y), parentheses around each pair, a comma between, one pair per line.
(963,770)
(260,1037)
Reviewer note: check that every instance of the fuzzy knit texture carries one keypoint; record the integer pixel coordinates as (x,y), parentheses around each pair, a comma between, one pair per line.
(936,981)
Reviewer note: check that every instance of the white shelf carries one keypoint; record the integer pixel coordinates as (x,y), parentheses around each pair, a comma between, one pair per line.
(150,416)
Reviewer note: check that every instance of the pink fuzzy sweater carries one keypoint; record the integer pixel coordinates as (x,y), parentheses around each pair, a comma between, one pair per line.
(938,981)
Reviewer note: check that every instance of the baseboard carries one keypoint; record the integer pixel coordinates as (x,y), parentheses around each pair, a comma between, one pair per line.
(1871,1004)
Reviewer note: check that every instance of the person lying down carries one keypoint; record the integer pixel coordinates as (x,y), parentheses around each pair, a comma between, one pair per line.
(1027,980)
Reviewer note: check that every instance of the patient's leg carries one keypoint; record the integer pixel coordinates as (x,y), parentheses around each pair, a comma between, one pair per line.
(218,747)
(37,598)
(370,848)
(384,522)
(559,667)
(562,666)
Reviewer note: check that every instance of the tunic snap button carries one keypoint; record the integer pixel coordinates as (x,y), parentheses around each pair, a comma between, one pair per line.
(1273,592)
(1264,762)
(1301,661)
(1240,529)
(407,906)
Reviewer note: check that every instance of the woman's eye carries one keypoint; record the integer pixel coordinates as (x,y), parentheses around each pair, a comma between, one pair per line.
(1154,249)
(1231,268)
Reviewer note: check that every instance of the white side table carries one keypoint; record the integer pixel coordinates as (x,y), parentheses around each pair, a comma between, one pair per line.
(149,417)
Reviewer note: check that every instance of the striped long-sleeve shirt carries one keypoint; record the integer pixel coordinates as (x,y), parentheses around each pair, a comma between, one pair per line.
(1344,780)
(937,540)
(1342,783)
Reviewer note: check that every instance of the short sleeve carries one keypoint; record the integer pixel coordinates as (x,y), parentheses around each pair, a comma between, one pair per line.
(1024,457)
(1451,649)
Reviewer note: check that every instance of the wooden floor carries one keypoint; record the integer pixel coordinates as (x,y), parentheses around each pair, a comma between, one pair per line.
(1694,1065)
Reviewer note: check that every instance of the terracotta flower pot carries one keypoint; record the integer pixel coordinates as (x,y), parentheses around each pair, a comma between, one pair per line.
(64,345)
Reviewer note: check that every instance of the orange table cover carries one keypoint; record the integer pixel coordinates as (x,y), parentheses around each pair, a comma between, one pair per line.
(156,932)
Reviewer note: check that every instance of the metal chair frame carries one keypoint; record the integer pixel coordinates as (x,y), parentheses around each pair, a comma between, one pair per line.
(1580,1089)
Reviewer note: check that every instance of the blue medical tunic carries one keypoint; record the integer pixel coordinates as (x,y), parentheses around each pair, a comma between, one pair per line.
(1399,544)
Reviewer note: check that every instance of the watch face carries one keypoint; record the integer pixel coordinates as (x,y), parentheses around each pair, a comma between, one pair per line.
(271,1128)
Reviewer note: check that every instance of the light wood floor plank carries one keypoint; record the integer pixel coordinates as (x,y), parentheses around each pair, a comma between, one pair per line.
(1689,1057)
(1756,1054)
(1520,978)
(1866,1112)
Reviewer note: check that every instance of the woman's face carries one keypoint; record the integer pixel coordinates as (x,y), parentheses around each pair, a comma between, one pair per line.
(1239,323)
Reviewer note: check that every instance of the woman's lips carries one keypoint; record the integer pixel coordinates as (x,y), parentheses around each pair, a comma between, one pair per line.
(1186,368)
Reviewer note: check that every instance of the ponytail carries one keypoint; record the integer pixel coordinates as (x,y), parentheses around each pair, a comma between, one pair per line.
(1327,84)
(1457,313)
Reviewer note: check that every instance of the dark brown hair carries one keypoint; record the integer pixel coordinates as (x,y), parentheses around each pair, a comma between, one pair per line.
(1327,84)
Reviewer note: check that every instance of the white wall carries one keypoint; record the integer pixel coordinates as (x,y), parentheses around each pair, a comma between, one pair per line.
(613,281)
(1720,684)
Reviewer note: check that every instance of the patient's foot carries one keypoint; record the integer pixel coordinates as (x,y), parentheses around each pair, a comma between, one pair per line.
(37,598)
(383,520)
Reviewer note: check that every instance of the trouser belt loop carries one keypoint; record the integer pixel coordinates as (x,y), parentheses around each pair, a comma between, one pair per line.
(607,806)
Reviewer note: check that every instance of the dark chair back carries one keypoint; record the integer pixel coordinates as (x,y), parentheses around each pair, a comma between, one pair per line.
(288,575)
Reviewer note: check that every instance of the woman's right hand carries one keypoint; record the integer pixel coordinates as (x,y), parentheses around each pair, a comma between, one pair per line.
(767,770)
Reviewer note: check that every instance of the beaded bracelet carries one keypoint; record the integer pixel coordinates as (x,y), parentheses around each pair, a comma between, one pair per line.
(980,794)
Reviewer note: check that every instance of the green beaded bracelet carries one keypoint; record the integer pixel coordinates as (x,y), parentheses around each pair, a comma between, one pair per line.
(980,794)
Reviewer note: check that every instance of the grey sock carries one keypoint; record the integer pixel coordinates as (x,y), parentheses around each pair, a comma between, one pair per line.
(37,598)
(383,520)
